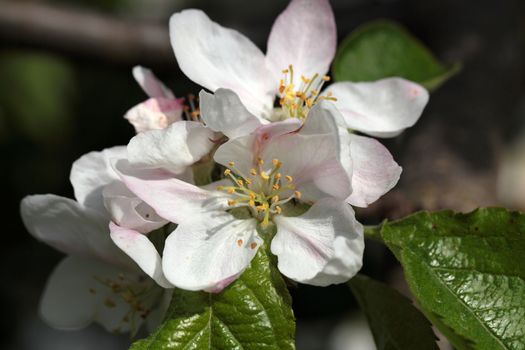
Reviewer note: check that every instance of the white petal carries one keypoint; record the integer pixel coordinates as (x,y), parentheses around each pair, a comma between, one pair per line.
(171,198)
(245,150)
(313,162)
(75,296)
(304,35)
(139,248)
(91,172)
(204,252)
(152,86)
(321,247)
(383,108)
(224,112)
(374,170)
(155,113)
(65,225)
(217,57)
(175,148)
(128,210)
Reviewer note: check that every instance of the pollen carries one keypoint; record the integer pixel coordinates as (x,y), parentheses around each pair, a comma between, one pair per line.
(253,245)
(231,164)
(240,242)
(263,193)
(296,101)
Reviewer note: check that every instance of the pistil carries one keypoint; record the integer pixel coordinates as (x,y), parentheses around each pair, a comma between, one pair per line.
(263,192)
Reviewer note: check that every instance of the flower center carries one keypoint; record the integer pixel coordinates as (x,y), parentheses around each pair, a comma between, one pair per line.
(137,294)
(296,102)
(263,192)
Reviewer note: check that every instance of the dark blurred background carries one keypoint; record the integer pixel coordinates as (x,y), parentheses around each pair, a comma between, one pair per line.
(65,83)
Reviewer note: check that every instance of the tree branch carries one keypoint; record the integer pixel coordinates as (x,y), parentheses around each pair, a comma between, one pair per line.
(85,33)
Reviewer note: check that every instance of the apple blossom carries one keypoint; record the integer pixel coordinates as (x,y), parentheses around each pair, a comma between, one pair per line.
(270,172)
(301,46)
(96,281)
(160,110)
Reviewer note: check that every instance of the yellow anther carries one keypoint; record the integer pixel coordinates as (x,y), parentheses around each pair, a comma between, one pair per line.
(285,71)
(227,172)
(230,190)
(305,79)
(276,162)
(248,182)
(278,209)
(253,171)
(326,78)
(240,182)
(275,199)
(251,203)
(314,92)
(231,164)
(294,106)
(276,187)
(264,175)
(220,188)
(309,102)
(281,101)
(289,178)
(260,161)
(231,202)
(252,196)
(297,194)
(277,176)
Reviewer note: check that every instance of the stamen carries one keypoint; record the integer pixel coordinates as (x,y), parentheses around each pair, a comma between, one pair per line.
(239,242)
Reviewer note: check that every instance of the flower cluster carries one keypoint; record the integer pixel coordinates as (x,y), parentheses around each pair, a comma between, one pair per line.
(285,160)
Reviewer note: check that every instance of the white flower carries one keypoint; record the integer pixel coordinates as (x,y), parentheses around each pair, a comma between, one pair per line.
(270,173)
(301,46)
(160,110)
(96,282)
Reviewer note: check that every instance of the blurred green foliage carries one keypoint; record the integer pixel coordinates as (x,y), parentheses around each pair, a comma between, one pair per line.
(36,95)
(382,49)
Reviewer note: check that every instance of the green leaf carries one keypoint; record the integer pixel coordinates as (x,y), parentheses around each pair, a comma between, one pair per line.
(382,49)
(467,272)
(254,312)
(395,322)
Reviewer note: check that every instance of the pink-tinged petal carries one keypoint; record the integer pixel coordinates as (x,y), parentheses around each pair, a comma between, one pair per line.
(155,113)
(139,248)
(374,170)
(91,172)
(75,296)
(173,199)
(224,112)
(313,162)
(205,252)
(128,210)
(321,247)
(72,229)
(245,150)
(304,35)
(217,57)
(324,118)
(152,86)
(179,146)
(383,108)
